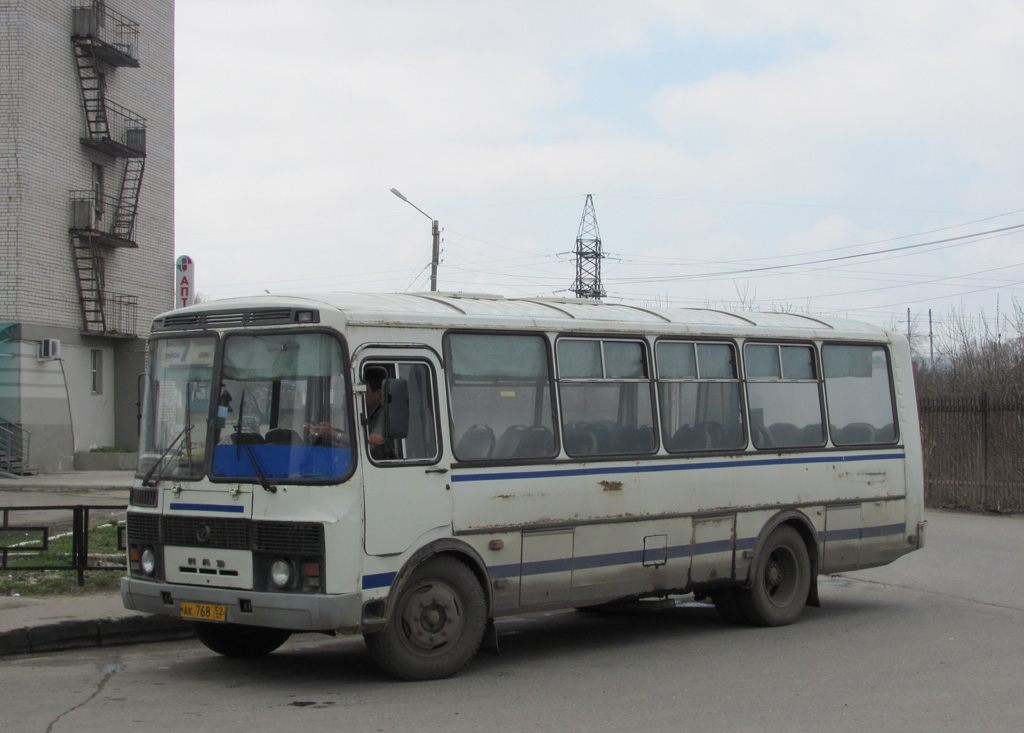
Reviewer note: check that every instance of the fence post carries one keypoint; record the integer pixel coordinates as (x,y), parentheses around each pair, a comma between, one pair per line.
(984,451)
(79,542)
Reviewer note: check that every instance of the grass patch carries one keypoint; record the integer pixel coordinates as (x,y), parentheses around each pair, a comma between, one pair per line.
(25,550)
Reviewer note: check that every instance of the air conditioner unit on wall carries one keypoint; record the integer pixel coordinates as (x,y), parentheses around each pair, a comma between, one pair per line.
(49,349)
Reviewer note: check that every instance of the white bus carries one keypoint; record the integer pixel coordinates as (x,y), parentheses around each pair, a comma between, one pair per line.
(527,454)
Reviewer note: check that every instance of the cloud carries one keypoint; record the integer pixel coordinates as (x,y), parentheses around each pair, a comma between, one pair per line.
(708,134)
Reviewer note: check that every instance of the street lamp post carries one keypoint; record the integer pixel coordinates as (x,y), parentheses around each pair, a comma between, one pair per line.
(435,232)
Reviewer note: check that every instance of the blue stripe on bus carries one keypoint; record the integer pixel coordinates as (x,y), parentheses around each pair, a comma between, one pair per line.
(860,533)
(614,558)
(662,467)
(378,580)
(635,557)
(232,509)
(747,543)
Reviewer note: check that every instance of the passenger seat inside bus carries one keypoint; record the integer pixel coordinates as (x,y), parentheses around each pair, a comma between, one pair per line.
(520,441)
(856,433)
(282,436)
(247,438)
(580,442)
(689,437)
(475,444)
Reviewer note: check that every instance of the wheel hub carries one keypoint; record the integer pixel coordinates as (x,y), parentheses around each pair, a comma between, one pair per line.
(430,617)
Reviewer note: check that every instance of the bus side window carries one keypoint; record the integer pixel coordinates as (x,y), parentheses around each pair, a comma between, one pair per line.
(420,442)
(500,390)
(858,392)
(784,396)
(604,387)
(699,396)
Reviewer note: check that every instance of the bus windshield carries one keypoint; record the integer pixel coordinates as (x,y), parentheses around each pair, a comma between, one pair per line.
(281,409)
(176,409)
(279,412)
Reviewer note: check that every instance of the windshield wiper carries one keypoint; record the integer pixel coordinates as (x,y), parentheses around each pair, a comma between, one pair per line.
(187,430)
(267,486)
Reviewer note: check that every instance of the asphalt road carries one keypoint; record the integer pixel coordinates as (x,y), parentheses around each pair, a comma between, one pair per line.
(933,642)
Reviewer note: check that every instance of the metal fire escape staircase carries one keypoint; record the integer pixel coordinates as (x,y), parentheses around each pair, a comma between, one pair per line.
(103,39)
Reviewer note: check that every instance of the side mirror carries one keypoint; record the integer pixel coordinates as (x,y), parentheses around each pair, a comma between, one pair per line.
(395,403)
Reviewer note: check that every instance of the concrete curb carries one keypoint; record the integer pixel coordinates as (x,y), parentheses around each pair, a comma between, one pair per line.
(95,633)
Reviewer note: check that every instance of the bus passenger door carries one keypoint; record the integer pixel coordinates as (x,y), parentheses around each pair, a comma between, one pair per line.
(406,490)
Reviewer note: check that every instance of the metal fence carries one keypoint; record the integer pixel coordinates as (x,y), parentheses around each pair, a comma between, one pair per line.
(28,532)
(973,452)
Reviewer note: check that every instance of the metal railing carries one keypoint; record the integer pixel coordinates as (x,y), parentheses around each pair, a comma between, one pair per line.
(32,536)
(121,314)
(15,447)
(98,214)
(124,128)
(95,20)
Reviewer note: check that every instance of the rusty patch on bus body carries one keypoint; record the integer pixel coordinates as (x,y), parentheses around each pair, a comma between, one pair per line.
(612,485)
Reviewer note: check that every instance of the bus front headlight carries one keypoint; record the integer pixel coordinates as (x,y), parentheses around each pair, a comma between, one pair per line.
(281,574)
(147,561)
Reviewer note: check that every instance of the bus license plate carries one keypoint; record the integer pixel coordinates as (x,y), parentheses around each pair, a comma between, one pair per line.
(204,611)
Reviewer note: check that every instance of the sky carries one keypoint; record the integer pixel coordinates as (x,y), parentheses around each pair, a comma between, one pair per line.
(852,159)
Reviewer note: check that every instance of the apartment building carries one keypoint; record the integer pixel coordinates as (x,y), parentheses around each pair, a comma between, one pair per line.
(86,220)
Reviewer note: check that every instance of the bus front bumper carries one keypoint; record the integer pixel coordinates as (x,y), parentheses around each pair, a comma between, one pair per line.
(295,612)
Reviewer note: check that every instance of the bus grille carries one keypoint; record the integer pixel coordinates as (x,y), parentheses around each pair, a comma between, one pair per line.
(143,497)
(224,534)
(143,528)
(306,538)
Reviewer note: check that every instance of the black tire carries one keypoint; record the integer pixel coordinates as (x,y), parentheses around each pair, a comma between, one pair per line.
(435,623)
(235,640)
(728,606)
(781,580)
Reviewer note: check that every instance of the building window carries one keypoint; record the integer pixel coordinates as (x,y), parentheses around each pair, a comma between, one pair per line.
(97,371)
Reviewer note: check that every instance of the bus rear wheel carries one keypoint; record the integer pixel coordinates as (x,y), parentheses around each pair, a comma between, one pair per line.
(236,640)
(781,580)
(436,624)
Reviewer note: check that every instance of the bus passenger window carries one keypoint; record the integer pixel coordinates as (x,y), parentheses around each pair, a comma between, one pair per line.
(783,396)
(858,392)
(605,392)
(699,397)
(500,391)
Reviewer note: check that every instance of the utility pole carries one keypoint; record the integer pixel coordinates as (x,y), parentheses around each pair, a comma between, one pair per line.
(435,234)
(931,342)
(588,255)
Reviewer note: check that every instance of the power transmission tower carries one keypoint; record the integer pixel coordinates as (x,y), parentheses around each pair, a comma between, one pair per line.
(588,255)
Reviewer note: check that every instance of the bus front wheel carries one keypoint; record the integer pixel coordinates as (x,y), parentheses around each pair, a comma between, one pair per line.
(236,640)
(781,580)
(436,624)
